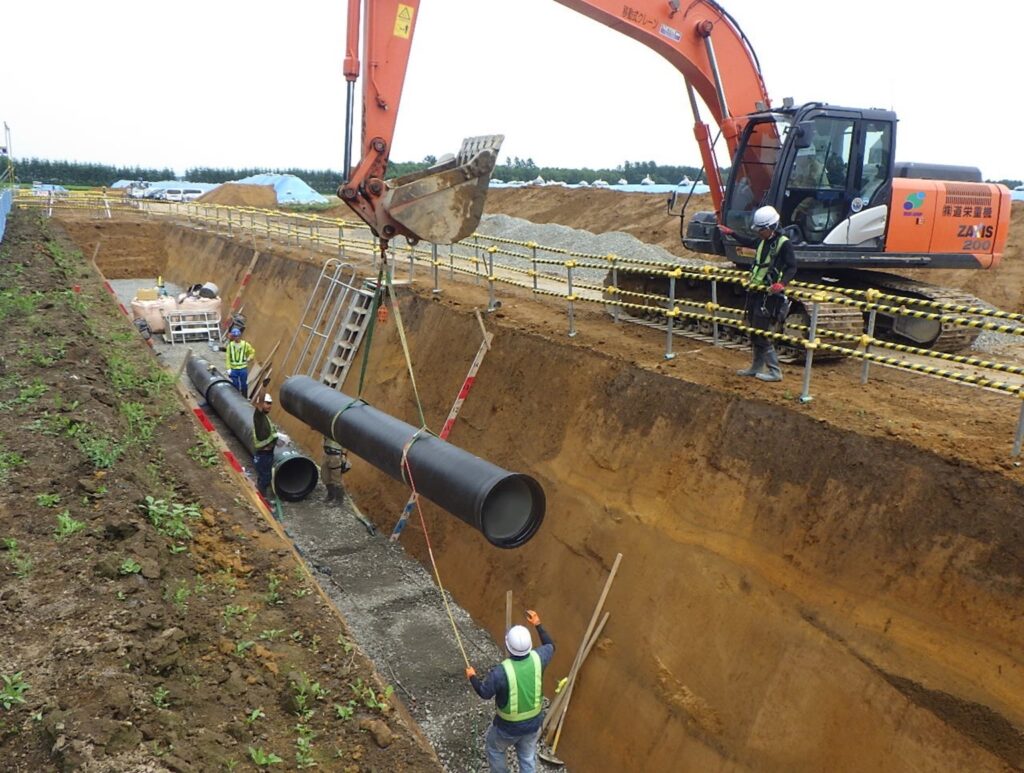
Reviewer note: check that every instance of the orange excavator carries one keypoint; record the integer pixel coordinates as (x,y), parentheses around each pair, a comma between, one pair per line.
(846,203)
(442,204)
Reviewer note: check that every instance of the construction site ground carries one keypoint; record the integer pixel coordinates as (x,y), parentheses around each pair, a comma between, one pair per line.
(831,585)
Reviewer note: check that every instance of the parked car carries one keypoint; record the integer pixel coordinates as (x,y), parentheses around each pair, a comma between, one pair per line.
(191,194)
(173,194)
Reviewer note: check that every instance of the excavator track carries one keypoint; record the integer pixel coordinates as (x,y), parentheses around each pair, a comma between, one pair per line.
(948,338)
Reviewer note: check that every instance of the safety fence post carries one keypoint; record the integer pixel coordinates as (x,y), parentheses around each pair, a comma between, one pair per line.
(434,260)
(669,354)
(867,346)
(615,284)
(492,304)
(812,342)
(341,242)
(230,233)
(714,311)
(476,260)
(533,259)
(571,298)
(451,263)
(1018,438)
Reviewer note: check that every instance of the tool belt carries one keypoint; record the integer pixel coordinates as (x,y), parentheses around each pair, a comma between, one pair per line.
(767,311)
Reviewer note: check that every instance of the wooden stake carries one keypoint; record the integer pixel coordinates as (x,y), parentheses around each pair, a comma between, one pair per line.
(258,378)
(567,690)
(546,729)
(508,610)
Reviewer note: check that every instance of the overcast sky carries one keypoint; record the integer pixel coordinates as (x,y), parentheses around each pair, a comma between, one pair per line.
(235,83)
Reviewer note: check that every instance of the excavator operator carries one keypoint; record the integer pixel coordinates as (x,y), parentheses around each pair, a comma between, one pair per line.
(766,308)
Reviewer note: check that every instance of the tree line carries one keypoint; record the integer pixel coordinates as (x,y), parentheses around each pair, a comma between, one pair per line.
(327,180)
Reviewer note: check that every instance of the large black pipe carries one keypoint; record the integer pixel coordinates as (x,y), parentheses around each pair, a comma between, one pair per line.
(506,507)
(295,475)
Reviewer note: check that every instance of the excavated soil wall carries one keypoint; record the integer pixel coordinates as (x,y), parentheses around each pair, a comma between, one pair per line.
(792,596)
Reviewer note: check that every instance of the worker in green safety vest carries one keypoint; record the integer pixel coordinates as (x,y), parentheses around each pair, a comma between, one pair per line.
(238,354)
(515,685)
(264,439)
(766,307)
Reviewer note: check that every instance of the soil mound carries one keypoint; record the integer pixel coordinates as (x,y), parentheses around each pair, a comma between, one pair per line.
(236,195)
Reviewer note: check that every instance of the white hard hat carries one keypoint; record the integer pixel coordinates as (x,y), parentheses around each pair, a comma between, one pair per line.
(766,217)
(518,640)
(268,399)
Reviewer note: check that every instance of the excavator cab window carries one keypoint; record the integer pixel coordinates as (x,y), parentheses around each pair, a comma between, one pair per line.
(874,172)
(816,188)
(754,165)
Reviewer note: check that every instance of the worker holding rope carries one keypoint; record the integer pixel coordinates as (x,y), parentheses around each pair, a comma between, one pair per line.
(515,685)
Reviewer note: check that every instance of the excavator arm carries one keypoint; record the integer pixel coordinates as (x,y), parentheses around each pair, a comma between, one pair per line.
(701,40)
(442,204)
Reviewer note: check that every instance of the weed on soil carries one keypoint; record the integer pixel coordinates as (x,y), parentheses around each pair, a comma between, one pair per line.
(150,621)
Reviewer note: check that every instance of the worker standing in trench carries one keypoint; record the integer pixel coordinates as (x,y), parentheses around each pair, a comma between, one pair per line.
(239,354)
(766,307)
(335,465)
(515,685)
(264,438)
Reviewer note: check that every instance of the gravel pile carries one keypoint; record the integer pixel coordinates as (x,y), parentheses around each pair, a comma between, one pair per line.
(573,240)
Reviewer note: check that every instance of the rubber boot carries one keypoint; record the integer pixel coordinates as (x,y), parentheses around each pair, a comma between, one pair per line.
(756,365)
(774,371)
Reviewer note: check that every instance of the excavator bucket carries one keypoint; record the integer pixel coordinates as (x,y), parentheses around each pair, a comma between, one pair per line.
(443,204)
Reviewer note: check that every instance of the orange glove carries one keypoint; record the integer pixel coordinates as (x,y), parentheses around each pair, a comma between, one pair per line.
(470,672)
(532,617)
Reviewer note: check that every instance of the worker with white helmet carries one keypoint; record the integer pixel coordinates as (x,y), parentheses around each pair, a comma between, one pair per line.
(515,685)
(766,307)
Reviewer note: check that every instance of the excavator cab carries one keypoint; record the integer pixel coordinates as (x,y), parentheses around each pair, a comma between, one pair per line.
(845,202)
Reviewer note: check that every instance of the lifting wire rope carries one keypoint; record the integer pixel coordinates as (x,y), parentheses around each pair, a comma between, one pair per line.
(384,280)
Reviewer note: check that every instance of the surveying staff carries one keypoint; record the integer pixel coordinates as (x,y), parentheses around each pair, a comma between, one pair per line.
(335,465)
(239,354)
(515,685)
(766,308)
(264,438)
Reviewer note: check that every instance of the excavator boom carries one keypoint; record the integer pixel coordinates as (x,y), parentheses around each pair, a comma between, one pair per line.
(694,36)
(442,204)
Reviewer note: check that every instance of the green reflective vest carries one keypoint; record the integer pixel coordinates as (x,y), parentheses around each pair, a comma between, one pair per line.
(264,433)
(761,272)
(525,695)
(238,354)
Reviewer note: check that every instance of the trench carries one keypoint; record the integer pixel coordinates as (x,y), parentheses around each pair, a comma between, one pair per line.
(793,595)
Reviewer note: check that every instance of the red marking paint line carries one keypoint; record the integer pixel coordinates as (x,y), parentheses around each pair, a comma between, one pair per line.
(124,309)
(109,288)
(233,461)
(203,419)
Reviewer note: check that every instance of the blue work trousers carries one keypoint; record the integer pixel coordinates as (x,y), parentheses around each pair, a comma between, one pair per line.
(240,378)
(264,464)
(497,741)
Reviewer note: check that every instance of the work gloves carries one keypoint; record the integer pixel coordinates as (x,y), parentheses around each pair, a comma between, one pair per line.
(470,672)
(532,617)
